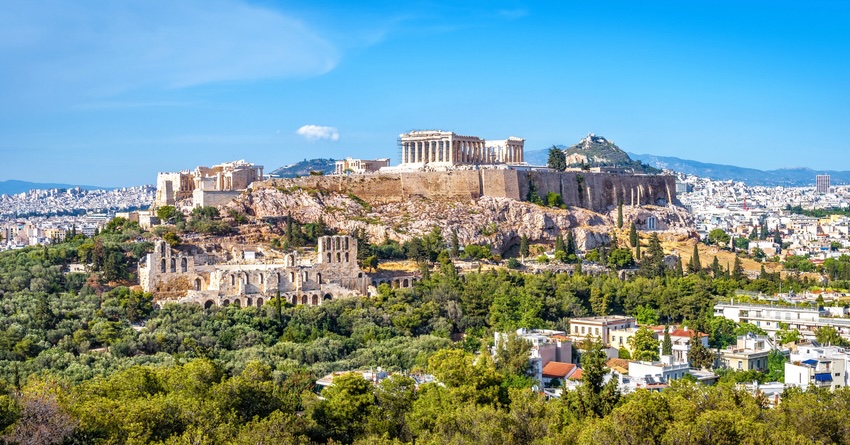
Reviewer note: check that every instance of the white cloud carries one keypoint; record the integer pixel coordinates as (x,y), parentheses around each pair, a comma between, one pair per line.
(316,132)
(104,48)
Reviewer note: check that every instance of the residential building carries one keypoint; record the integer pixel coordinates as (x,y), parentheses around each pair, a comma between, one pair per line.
(661,371)
(772,318)
(821,366)
(822,184)
(546,346)
(600,327)
(748,353)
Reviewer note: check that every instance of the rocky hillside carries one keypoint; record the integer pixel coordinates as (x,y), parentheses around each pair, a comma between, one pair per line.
(304,168)
(499,222)
(596,151)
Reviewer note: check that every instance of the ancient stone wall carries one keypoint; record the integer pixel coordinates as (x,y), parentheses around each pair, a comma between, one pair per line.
(594,191)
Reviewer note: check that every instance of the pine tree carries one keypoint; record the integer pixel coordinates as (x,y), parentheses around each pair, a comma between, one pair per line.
(523,246)
(667,344)
(695,265)
(557,159)
(620,215)
(633,236)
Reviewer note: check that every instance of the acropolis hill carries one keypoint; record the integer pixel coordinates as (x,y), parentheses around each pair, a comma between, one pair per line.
(476,187)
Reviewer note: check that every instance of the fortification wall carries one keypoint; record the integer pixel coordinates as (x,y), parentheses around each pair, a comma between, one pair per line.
(594,191)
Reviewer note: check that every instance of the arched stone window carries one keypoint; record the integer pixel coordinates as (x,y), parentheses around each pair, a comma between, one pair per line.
(303,299)
(346,257)
(259,302)
(162,266)
(291,277)
(319,278)
(315,300)
(183,265)
(162,248)
(197,284)
(338,258)
(173,265)
(233,280)
(208,304)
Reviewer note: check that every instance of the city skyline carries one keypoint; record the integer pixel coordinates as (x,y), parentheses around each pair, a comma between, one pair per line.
(109,94)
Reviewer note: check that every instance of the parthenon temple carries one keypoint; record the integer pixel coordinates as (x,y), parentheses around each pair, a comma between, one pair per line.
(447,148)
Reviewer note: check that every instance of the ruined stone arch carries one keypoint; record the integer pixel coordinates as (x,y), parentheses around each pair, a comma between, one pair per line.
(226,302)
(405,283)
(198,284)
(294,299)
(303,299)
(249,302)
(259,302)
(237,302)
(328,297)
(315,300)
(208,304)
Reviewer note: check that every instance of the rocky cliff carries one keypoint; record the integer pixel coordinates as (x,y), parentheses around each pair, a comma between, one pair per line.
(499,222)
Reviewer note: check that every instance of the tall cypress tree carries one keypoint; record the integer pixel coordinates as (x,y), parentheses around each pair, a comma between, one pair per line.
(695,265)
(633,236)
(456,244)
(559,244)
(667,344)
(570,243)
(523,246)
(620,215)
(737,269)
(716,269)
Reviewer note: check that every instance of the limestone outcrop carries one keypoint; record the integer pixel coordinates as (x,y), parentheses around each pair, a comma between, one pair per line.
(498,222)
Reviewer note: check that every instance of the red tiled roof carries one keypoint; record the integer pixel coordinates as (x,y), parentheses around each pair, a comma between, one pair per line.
(684,333)
(558,369)
(576,375)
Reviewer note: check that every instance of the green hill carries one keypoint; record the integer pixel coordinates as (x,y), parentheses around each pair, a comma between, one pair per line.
(596,151)
(303,168)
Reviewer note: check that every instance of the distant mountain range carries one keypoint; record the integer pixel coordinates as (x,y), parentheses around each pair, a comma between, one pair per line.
(13,186)
(789,177)
(303,168)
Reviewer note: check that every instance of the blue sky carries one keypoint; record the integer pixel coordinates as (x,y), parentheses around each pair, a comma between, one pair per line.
(109,93)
